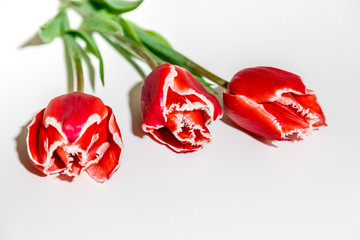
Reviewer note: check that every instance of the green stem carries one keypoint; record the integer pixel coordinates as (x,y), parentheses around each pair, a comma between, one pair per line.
(207,74)
(79,75)
(138,50)
(172,56)
(126,54)
(69,63)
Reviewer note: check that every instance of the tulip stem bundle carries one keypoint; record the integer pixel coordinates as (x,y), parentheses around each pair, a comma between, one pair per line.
(134,43)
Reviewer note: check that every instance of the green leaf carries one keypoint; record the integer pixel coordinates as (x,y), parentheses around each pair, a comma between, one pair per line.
(54,28)
(158,47)
(129,31)
(158,37)
(95,19)
(100,24)
(92,48)
(121,6)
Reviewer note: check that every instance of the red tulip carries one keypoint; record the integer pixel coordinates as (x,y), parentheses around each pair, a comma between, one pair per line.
(76,132)
(272,103)
(176,108)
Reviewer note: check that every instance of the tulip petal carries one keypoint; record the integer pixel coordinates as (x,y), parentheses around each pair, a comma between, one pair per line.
(184,131)
(168,86)
(288,118)
(153,96)
(252,116)
(265,84)
(188,127)
(57,165)
(165,136)
(73,113)
(110,161)
(176,108)
(35,141)
(42,144)
(309,101)
(306,105)
(186,84)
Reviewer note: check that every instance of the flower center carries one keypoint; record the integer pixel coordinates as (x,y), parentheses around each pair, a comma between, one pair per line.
(188,127)
(71,159)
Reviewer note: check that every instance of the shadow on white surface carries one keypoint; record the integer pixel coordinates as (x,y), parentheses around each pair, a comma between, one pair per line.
(135,109)
(21,150)
(225,119)
(32,41)
(64,177)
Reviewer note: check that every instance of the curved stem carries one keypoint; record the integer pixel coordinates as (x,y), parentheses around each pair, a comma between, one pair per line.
(172,56)
(207,74)
(138,50)
(126,54)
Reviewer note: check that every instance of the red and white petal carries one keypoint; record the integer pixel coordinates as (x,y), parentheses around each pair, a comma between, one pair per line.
(153,96)
(93,141)
(72,142)
(265,84)
(309,101)
(289,118)
(99,142)
(71,114)
(66,158)
(185,103)
(169,95)
(42,144)
(189,127)
(165,136)
(168,87)
(35,141)
(186,84)
(57,166)
(252,116)
(109,162)
(305,105)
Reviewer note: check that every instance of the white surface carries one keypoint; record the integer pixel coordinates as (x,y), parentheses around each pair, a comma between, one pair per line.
(235,188)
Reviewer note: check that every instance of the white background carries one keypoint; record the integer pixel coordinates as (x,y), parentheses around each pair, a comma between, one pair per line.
(237,187)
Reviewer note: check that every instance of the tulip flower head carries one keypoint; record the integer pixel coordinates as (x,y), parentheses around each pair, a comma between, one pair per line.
(272,103)
(76,132)
(176,108)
